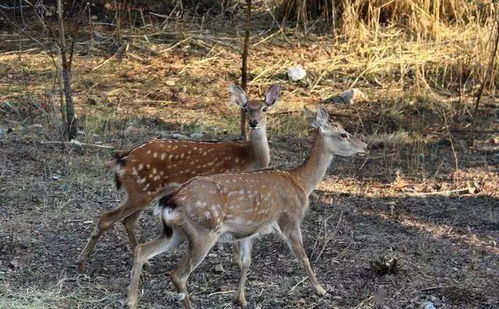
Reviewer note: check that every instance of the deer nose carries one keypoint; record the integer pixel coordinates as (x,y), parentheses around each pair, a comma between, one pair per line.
(253,123)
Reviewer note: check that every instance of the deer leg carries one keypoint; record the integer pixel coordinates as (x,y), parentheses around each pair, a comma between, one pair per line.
(236,251)
(106,221)
(199,246)
(244,247)
(142,254)
(292,236)
(130,224)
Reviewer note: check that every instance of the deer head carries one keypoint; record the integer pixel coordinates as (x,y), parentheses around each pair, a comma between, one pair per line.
(337,140)
(255,110)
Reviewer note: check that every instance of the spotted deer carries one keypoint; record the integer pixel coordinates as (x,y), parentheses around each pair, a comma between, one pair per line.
(159,166)
(242,206)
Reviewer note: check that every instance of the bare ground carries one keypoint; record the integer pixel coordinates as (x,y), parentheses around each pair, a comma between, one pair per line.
(445,243)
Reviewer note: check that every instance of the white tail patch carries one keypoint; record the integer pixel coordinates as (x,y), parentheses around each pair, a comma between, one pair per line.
(157,210)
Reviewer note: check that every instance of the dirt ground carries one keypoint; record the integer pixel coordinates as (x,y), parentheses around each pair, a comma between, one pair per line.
(444,240)
(425,201)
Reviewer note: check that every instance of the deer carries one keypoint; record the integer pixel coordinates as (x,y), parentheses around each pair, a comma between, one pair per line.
(159,166)
(243,205)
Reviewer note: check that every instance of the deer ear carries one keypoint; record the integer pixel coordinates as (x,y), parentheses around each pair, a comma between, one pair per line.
(272,94)
(321,118)
(238,95)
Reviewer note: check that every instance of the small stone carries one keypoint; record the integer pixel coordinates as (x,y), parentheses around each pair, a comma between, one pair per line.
(179,136)
(170,83)
(75,142)
(428,305)
(14,264)
(348,97)
(219,268)
(296,73)
(197,135)
(130,130)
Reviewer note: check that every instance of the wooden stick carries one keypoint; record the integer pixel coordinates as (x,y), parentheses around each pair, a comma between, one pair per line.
(77,144)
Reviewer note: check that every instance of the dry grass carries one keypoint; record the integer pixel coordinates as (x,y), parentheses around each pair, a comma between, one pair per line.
(419,89)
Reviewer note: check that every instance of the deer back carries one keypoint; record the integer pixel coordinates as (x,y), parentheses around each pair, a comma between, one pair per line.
(159,163)
(241,204)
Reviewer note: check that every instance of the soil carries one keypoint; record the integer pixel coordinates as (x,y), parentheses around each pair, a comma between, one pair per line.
(438,239)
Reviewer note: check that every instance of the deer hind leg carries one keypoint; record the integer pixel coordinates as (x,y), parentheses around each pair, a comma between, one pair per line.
(236,253)
(105,222)
(292,236)
(244,249)
(199,246)
(143,253)
(130,224)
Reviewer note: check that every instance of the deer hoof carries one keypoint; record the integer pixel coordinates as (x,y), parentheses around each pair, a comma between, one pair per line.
(320,291)
(241,302)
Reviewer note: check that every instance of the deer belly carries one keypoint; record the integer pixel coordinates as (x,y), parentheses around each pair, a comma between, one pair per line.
(239,228)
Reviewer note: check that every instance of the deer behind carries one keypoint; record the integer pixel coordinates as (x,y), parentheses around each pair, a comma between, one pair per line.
(159,166)
(243,205)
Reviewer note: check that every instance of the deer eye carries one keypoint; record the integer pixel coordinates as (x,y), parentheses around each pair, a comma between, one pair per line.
(265,108)
(343,135)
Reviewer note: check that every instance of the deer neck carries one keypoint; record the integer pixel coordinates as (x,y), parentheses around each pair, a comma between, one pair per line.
(259,147)
(311,172)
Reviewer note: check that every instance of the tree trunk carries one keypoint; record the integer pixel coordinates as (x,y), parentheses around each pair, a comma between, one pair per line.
(244,68)
(70,125)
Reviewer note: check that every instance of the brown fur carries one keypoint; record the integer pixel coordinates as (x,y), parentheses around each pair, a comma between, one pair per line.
(244,205)
(159,166)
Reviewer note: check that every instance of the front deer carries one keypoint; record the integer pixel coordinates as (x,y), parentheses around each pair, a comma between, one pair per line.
(159,166)
(243,205)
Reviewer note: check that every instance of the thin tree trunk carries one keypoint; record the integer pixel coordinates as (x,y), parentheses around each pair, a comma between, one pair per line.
(66,76)
(488,73)
(244,69)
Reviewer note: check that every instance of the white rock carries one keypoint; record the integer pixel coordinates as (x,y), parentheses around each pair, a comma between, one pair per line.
(429,305)
(179,136)
(75,142)
(197,135)
(351,95)
(348,97)
(296,73)
(219,269)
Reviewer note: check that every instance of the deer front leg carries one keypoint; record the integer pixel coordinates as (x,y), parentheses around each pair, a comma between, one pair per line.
(142,254)
(293,238)
(244,256)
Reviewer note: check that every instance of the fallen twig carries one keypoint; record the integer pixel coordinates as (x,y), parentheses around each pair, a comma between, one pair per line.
(20,51)
(77,144)
(175,45)
(448,192)
(221,292)
(296,285)
(327,239)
